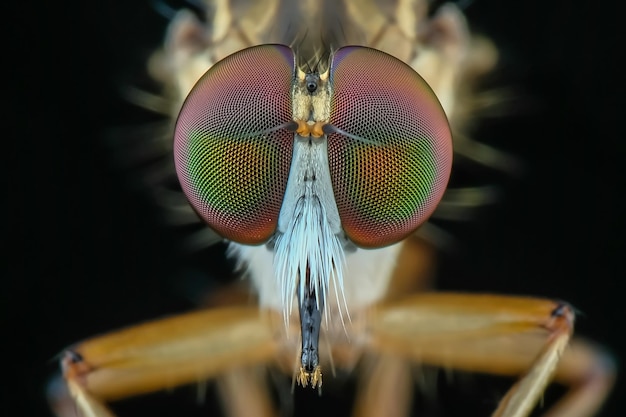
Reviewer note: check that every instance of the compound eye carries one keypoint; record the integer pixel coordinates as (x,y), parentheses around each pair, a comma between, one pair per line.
(389,146)
(232,148)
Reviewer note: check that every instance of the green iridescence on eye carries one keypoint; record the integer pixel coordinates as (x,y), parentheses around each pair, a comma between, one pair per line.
(406,188)
(226,174)
(201,167)
(422,177)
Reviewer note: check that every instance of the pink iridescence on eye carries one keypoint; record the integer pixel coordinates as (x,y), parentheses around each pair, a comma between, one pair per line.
(391,170)
(231,148)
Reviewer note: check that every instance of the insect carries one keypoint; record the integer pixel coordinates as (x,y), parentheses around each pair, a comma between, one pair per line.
(293,144)
(302,176)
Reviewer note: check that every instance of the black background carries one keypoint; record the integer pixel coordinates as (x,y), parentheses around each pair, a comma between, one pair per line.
(86,252)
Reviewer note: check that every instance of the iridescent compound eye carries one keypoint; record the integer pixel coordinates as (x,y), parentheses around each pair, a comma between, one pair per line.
(231,148)
(389,146)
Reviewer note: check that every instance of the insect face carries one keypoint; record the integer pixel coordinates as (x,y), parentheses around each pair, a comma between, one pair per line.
(388,143)
(312,164)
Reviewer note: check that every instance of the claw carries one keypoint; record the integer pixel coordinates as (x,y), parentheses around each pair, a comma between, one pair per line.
(313,379)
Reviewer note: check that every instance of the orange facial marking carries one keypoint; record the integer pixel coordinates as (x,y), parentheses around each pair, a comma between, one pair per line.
(305,129)
(316,129)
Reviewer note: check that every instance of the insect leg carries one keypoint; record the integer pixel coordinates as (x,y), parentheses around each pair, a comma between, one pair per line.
(165,353)
(499,335)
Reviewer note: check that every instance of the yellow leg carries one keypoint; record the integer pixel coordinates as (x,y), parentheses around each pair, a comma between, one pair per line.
(164,354)
(244,393)
(385,387)
(489,334)
(590,374)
